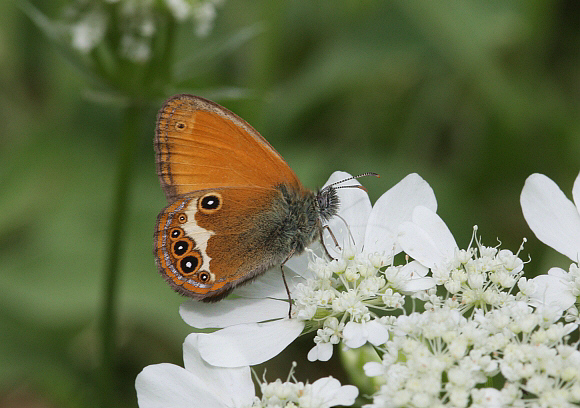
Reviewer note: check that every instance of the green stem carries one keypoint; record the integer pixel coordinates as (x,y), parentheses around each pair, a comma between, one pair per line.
(108,318)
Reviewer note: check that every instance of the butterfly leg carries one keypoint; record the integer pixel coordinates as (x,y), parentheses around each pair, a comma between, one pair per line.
(333,238)
(286,284)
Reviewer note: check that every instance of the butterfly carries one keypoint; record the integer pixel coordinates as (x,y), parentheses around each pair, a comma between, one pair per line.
(236,208)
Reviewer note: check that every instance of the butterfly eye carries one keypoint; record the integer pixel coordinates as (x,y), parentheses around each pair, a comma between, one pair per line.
(189,264)
(210,203)
(180,248)
(182,218)
(180,125)
(175,233)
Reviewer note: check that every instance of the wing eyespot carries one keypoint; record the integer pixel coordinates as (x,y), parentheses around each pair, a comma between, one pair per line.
(181,218)
(189,264)
(180,248)
(176,233)
(180,126)
(204,277)
(210,203)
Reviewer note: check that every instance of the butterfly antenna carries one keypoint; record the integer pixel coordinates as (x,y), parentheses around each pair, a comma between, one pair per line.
(353,178)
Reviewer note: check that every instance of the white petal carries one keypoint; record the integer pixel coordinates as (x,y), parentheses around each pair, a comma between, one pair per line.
(248,344)
(418,244)
(436,228)
(552,291)
(377,333)
(373,369)
(417,280)
(393,208)
(269,285)
(321,352)
(416,285)
(576,191)
(234,386)
(232,311)
(330,391)
(551,216)
(487,398)
(355,334)
(167,385)
(558,273)
(299,263)
(355,207)
(427,239)
(415,270)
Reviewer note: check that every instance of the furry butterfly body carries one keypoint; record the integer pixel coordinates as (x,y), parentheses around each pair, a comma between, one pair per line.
(236,207)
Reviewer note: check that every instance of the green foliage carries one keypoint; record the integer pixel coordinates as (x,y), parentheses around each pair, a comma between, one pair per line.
(473,95)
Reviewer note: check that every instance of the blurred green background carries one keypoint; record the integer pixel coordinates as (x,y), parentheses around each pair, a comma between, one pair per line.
(472,95)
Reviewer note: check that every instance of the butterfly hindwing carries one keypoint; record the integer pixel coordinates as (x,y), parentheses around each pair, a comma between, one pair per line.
(209,241)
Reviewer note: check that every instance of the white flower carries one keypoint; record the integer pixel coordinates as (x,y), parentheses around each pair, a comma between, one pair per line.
(88,32)
(474,277)
(200,384)
(556,222)
(440,358)
(89,24)
(357,334)
(551,216)
(553,292)
(180,9)
(428,240)
(204,15)
(197,385)
(323,393)
(486,398)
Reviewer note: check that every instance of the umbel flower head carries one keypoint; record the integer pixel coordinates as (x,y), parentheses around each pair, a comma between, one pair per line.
(477,343)
(127,49)
(90,22)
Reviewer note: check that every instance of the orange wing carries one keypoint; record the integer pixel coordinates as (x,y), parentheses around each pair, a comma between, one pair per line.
(204,253)
(200,144)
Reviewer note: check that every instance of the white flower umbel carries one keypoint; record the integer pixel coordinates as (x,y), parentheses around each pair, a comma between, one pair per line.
(346,297)
(478,331)
(555,220)
(202,385)
(479,276)
(441,358)
(323,393)
(88,22)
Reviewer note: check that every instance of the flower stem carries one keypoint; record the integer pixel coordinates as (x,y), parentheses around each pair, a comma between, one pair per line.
(108,318)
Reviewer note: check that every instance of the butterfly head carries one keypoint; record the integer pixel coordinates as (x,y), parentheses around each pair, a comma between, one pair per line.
(327,201)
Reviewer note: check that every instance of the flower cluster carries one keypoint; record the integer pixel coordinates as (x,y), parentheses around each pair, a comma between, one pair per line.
(450,327)
(325,392)
(511,347)
(88,22)
(349,297)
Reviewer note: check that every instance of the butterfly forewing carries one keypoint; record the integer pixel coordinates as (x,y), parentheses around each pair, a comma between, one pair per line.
(202,145)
